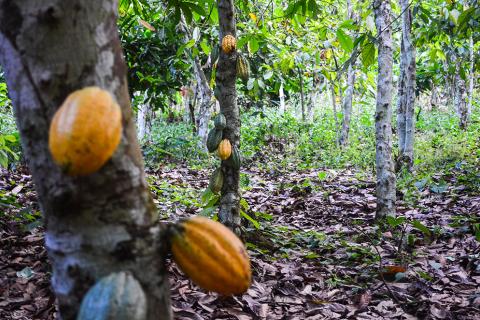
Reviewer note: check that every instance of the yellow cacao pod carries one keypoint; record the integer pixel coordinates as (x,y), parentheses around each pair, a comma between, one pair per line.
(229,44)
(85,131)
(224,149)
(211,255)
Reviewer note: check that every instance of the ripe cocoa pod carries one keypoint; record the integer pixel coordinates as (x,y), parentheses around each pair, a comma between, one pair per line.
(211,255)
(224,149)
(85,131)
(229,44)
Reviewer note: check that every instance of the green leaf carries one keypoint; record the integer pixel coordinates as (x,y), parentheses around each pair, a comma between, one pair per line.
(313,8)
(454,15)
(395,222)
(244,204)
(253,45)
(421,227)
(3,159)
(255,223)
(368,54)
(322,175)
(267,75)
(205,47)
(190,43)
(10,138)
(465,17)
(345,40)
(312,255)
(197,9)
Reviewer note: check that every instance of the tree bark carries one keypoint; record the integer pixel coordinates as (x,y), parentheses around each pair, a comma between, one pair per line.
(434,99)
(347,105)
(348,98)
(386,182)
(302,98)
(460,102)
(104,222)
(144,119)
(334,107)
(281,95)
(406,91)
(472,77)
(204,96)
(229,213)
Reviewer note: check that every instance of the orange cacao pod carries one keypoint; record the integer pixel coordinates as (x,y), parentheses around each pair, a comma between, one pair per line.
(229,44)
(85,131)
(224,149)
(211,255)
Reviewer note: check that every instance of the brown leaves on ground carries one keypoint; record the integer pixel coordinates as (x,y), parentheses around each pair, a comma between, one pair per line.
(316,258)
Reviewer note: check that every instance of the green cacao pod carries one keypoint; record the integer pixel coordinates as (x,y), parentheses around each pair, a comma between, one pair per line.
(213,140)
(216,181)
(117,296)
(220,122)
(235,159)
(243,68)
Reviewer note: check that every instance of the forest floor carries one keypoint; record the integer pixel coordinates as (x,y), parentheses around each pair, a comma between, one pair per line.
(316,252)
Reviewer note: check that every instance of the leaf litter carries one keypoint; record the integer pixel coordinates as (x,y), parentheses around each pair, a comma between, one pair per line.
(316,254)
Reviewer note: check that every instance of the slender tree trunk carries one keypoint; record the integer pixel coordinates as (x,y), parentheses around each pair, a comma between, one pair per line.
(142,120)
(460,102)
(347,106)
(229,213)
(204,95)
(434,100)
(472,78)
(406,91)
(281,95)
(334,106)
(104,222)
(313,98)
(386,182)
(186,102)
(348,98)
(302,98)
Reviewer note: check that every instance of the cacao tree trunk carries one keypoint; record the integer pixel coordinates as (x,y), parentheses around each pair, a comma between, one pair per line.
(203,93)
(386,181)
(406,91)
(142,121)
(104,222)
(302,98)
(204,96)
(347,105)
(460,102)
(348,97)
(434,99)
(334,106)
(281,95)
(229,213)
(472,78)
